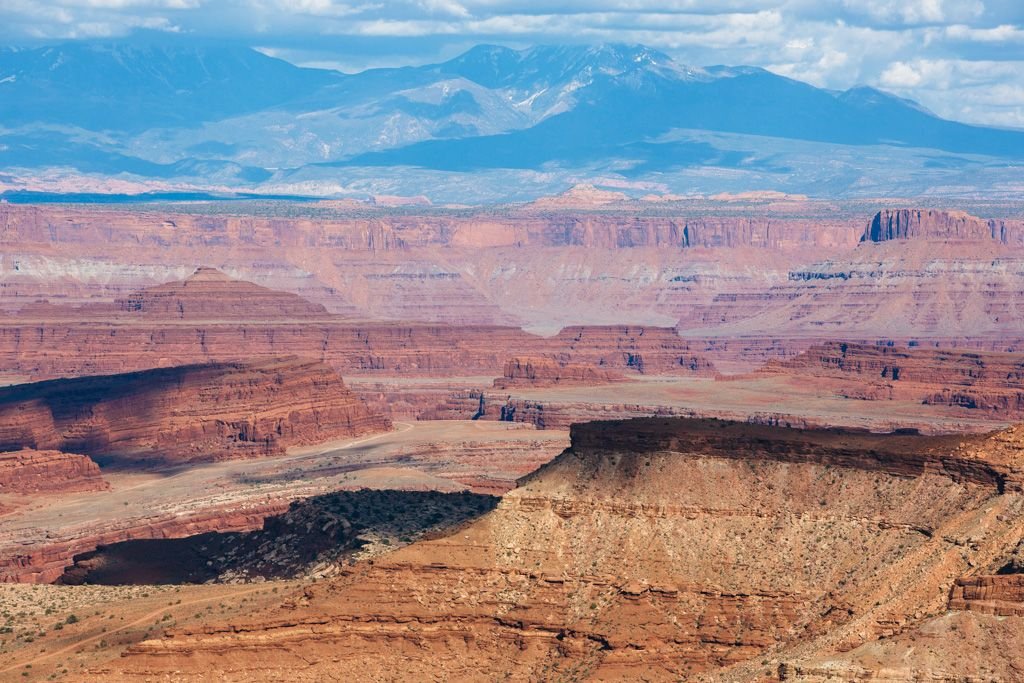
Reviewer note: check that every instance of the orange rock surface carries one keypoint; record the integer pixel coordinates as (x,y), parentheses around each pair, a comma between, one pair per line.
(209,294)
(651,549)
(32,471)
(186,413)
(989,381)
(541,372)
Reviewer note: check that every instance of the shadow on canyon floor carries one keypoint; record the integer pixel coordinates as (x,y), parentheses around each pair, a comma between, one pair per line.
(313,538)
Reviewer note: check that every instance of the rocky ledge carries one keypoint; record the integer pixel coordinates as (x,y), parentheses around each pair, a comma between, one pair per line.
(543,372)
(654,549)
(31,471)
(186,413)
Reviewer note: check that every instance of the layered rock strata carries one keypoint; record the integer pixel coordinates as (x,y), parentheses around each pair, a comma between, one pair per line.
(209,294)
(212,318)
(906,224)
(32,471)
(541,372)
(989,381)
(186,413)
(915,274)
(651,549)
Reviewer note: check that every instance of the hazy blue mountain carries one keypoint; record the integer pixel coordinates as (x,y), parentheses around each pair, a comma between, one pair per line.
(198,112)
(137,85)
(642,103)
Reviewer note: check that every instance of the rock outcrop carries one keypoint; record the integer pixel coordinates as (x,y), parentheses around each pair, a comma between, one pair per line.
(942,278)
(989,381)
(32,471)
(212,318)
(186,413)
(908,224)
(209,294)
(542,372)
(651,549)
(1000,595)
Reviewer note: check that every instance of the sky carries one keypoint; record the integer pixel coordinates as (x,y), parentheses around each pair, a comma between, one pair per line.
(963,59)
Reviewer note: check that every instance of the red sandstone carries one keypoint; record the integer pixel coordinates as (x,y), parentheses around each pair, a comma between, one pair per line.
(31,471)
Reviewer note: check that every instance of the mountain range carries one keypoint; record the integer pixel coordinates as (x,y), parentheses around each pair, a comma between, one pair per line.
(180,113)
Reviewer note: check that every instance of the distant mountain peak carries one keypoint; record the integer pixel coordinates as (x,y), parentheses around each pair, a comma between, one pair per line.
(544,65)
(867,95)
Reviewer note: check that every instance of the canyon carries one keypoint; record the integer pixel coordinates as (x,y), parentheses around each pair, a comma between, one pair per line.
(983,381)
(41,534)
(741,282)
(745,439)
(661,549)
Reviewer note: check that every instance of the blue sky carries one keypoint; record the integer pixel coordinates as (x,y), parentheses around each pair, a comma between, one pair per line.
(964,59)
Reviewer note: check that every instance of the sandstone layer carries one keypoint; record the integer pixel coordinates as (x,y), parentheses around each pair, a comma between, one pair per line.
(656,550)
(32,471)
(905,224)
(744,283)
(212,318)
(946,278)
(541,372)
(542,267)
(209,294)
(186,413)
(983,381)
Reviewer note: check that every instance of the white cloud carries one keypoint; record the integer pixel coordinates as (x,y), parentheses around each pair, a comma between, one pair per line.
(998,34)
(914,12)
(900,75)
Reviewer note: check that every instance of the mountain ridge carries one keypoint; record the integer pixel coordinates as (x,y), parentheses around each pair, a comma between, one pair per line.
(201,115)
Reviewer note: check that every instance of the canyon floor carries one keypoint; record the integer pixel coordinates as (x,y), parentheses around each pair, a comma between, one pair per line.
(238,494)
(346,447)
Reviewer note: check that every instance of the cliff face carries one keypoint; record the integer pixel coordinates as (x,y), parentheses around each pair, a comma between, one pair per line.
(541,372)
(209,294)
(197,412)
(511,267)
(905,224)
(987,381)
(57,225)
(31,471)
(212,318)
(916,275)
(655,549)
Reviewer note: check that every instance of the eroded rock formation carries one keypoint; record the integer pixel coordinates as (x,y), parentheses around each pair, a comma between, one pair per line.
(186,413)
(542,372)
(654,549)
(905,224)
(32,471)
(212,318)
(988,381)
(942,278)
(209,294)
